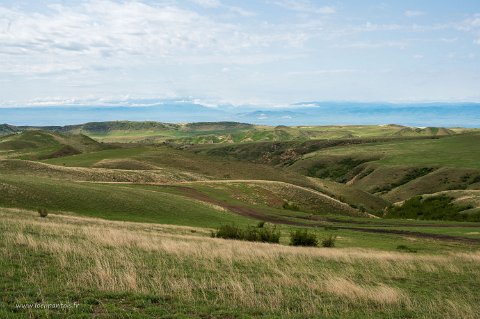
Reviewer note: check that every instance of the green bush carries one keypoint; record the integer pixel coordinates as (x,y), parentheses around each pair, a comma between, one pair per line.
(228,232)
(302,237)
(260,224)
(43,212)
(269,235)
(329,241)
(250,233)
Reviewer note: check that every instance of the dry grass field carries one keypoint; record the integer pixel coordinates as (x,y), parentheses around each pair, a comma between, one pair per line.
(160,270)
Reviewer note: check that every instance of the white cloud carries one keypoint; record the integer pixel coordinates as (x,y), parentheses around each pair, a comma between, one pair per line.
(305,6)
(208,3)
(326,10)
(471,26)
(373,45)
(326,72)
(240,11)
(372,27)
(119,33)
(150,47)
(413,13)
(449,40)
(474,21)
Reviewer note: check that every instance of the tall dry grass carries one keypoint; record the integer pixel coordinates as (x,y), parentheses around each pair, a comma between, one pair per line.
(185,264)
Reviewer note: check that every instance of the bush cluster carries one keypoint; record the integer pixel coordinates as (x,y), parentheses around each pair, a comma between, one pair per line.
(439,207)
(250,233)
(269,234)
(301,237)
(42,212)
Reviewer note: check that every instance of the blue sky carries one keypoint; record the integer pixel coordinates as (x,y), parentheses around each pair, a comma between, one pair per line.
(262,52)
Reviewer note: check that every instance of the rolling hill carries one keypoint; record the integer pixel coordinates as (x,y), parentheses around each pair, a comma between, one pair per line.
(225,132)
(350,176)
(37,144)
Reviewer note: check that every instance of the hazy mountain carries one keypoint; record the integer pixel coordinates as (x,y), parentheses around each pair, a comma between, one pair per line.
(305,113)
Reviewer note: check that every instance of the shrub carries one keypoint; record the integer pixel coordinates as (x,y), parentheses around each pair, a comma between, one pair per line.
(269,235)
(228,232)
(42,212)
(251,233)
(260,224)
(302,237)
(329,241)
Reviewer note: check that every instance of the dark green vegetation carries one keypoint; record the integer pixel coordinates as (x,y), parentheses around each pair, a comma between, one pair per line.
(42,212)
(302,237)
(262,234)
(432,207)
(392,200)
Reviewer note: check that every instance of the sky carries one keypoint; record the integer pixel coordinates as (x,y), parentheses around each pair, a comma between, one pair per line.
(259,52)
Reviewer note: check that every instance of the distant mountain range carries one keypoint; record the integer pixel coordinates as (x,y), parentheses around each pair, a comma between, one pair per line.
(305,113)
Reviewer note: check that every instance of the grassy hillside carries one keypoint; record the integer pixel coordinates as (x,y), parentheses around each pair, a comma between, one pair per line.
(36,144)
(168,159)
(354,196)
(452,151)
(126,175)
(110,201)
(374,171)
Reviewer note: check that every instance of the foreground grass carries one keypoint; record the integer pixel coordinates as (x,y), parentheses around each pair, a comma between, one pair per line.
(121,269)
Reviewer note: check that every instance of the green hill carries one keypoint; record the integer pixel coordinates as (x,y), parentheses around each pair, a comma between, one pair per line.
(37,144)
(110,201)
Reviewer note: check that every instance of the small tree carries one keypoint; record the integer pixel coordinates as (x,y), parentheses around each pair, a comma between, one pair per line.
(43,212)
